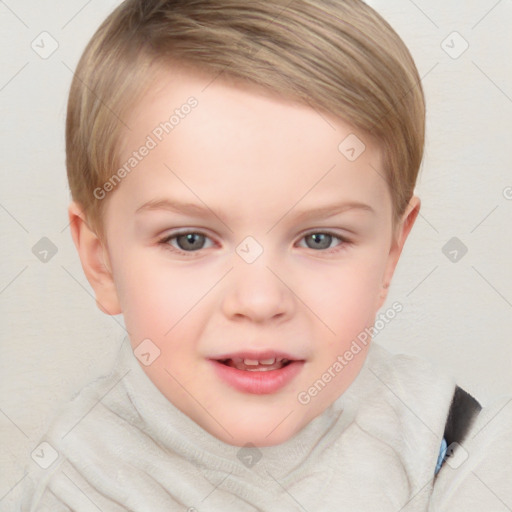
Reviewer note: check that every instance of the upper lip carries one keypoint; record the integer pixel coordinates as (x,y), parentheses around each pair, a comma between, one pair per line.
(256,356)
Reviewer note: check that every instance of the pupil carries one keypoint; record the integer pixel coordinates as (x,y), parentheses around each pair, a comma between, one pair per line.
(190,239)
(318,238)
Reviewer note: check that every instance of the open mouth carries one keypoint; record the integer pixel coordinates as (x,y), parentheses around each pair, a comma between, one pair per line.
(258,377)
(255,366)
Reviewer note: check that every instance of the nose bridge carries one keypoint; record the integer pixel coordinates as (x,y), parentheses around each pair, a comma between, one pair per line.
(254,289)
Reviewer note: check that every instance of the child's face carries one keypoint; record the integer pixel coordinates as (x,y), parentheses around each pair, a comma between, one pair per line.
(254,165)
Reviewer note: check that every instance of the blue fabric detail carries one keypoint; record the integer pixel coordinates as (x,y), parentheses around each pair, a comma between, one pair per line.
(442,453)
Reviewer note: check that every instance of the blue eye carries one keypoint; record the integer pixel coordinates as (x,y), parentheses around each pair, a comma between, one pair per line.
(322,241)
(188,242)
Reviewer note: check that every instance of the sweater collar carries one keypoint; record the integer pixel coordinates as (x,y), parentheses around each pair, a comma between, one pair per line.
(183,437)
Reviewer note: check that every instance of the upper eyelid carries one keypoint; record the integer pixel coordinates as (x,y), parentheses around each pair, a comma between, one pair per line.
(202,232)
(171,236)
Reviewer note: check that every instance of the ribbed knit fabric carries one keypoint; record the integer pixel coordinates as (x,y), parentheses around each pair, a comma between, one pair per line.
(123,446)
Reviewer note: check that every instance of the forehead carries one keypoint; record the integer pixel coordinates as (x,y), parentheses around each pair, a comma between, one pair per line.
(223,141)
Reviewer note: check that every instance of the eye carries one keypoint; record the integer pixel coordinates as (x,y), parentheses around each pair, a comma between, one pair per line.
(187,241)
(322,240)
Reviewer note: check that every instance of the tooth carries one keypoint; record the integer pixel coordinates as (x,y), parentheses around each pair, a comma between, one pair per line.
(251,362)
(268,361)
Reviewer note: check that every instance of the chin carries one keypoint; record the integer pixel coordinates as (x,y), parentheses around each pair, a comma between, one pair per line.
(256,434)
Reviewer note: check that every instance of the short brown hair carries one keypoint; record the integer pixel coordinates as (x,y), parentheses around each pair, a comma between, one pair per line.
(339,56)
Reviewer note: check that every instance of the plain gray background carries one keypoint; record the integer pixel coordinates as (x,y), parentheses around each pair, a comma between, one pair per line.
(456,313)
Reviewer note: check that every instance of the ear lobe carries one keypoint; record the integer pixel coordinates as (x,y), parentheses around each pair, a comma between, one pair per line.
(95,261)
(398,242)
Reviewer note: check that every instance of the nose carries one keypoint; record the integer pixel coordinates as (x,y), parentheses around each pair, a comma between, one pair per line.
(258,292)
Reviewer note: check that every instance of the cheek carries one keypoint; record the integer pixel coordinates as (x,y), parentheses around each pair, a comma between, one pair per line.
(343,297)
(160,300)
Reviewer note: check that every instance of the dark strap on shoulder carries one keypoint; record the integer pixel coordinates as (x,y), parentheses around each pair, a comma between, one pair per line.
(463,411)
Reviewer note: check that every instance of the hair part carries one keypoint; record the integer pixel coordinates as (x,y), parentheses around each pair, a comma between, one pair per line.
(338,56)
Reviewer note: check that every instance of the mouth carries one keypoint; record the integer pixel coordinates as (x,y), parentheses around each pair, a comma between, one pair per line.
(257,375)
(255,365)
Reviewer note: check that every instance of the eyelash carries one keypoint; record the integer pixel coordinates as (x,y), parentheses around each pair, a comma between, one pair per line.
(166,246)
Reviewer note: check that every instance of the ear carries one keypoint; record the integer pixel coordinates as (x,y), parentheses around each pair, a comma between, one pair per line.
(399,237)
(95,261)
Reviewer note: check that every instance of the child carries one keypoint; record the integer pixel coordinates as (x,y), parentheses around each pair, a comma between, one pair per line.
(248,380)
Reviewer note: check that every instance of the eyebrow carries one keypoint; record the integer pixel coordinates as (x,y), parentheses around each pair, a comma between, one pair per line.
(322,212)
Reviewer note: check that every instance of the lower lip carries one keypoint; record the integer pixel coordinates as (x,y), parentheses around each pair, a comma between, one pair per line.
(258,382)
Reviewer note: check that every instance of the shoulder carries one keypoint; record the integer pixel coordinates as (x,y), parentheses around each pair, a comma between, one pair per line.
(410,393)
(413,385)
(478,470)
(416,403)
(88,425)
(401,367)
(403,401)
